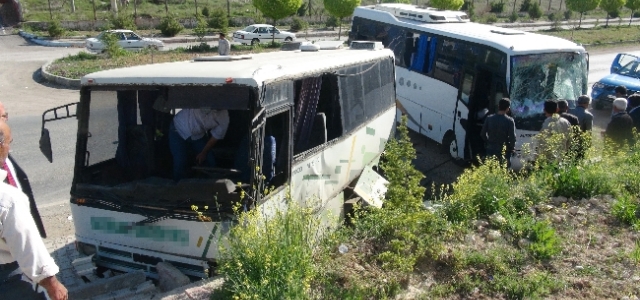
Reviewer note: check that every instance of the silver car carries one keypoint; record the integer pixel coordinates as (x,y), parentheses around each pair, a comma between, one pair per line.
(126,38)
(262,33)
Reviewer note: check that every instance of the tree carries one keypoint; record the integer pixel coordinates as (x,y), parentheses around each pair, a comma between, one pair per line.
(277,9)
(447,4)
(633,5)
(341,9)
(611,7)
(582,6)
(535,12)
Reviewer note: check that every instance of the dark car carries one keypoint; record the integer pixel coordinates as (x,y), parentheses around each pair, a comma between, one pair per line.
(625,70)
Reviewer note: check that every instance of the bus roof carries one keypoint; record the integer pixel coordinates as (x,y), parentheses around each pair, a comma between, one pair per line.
(512,42)
(252,71)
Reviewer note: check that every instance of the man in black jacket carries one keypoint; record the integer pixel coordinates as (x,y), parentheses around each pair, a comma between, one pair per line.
(634,112)
(563,108)
(620,129)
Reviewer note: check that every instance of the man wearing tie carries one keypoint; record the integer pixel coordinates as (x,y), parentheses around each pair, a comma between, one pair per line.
(25,263)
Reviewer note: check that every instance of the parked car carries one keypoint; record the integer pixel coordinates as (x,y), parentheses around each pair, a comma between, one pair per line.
(126,38)
(625,70)
(262,33)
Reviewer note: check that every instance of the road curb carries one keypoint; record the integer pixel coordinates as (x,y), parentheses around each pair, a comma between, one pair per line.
(48,43)
(67,82)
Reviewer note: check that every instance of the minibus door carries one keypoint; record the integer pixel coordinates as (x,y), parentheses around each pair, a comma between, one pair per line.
(255,157)
(461,116)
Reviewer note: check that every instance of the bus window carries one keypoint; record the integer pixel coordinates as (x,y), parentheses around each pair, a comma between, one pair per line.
(318,112)
(448,65)
(467,83)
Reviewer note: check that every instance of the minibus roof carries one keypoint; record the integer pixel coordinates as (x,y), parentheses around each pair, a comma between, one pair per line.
(253,71)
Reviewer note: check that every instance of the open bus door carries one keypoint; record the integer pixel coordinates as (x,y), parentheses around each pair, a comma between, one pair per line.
(255,158)
(460,116)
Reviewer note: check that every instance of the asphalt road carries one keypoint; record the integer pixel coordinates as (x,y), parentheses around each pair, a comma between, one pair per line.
(26,97)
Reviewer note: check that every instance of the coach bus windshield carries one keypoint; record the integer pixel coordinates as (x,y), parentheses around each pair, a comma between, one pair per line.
(538,77)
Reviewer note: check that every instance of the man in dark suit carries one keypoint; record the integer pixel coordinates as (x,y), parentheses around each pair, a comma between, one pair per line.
(563,108)
(634,112)
(21,179)
(620,129)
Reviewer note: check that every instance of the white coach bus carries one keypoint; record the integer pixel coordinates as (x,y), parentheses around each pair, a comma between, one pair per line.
(449,70)
(304,123)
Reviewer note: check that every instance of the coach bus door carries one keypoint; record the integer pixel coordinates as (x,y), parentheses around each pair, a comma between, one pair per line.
(461,114)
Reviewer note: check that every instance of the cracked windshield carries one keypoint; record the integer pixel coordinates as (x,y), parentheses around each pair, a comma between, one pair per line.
(538,77)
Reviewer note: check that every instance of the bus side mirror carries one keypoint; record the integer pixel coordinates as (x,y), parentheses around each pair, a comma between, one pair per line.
(45,144)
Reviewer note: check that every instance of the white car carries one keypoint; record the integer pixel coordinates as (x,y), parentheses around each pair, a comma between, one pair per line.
(262,33)
(126,38)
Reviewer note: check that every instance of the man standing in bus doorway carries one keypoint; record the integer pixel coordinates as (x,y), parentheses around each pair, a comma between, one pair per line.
(223,45)
(499,133)
(22,251)
(188,133)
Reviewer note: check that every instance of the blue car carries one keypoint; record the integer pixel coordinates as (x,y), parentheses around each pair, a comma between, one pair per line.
(625,70)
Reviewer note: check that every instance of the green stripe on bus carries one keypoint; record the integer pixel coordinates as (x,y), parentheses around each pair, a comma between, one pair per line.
(371,131)
(211,236)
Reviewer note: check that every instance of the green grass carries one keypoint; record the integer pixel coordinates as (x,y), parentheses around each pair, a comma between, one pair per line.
(76,66)
(599,35)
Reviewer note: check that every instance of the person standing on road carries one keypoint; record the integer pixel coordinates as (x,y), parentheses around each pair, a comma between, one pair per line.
(585,118)
(22,251)
(223,45)
(499,133)
(634,112)
(620,129)
(11,166)
(563,110)
(553,138)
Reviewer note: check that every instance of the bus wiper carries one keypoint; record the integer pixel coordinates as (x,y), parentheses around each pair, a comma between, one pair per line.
(168,213)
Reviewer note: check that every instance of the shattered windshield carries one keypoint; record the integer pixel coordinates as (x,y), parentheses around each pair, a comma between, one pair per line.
(538,77)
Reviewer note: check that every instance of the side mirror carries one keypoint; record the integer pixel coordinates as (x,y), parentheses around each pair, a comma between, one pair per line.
(615,69)
(45,144)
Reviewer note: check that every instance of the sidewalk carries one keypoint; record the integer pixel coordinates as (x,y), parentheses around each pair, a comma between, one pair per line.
(78,276)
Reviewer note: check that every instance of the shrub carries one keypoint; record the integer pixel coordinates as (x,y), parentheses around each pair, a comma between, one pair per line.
(497,7)
(614,14)
(170,26)
(201,28)
(544,241)
(625,210)
(298,24)
(261,254)
(219,21)
(205,11)
(535,12)
(55,29)
(111,46)
(568,14)
(491,18)
(524,7)
(332,22)
(302,11)
(513,17)
(202,47)
(123,21)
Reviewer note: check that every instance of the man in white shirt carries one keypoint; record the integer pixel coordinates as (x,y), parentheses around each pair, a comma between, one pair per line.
(188,132)
(223,45)
(22,251)
(18,178)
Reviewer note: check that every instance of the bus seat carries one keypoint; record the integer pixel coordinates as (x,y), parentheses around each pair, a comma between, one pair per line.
(139,151)
(318,131)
